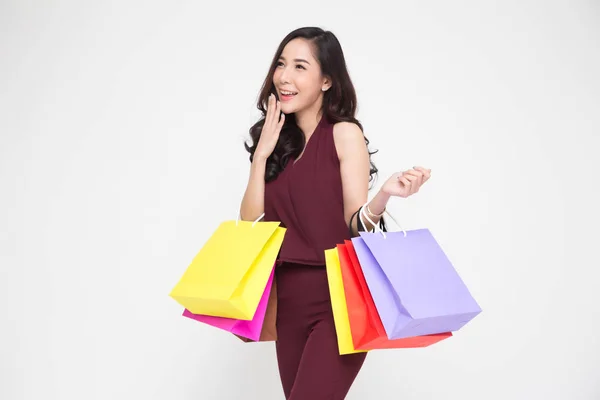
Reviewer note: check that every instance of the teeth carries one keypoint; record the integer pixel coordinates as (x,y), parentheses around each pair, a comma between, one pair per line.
(288,93)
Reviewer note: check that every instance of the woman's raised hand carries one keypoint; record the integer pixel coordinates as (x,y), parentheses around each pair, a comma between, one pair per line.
(269,135)
(404,184)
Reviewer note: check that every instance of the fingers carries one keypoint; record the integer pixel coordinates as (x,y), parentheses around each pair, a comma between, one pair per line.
(423,173)
(426,173)
(281,122)
(270,107)
(409,182)
(414,182)
(274,115)
(417,174)
(406,182)
(278,112)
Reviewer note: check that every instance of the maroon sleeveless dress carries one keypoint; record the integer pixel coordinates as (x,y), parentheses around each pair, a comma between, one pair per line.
(307,199)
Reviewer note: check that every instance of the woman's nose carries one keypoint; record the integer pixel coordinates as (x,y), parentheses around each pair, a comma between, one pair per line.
(284,78)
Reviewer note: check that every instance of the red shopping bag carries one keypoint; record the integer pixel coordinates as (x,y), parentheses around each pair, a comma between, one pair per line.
(366,327)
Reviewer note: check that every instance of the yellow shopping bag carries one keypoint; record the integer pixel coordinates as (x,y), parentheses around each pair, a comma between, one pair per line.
(338,303)
(229,274)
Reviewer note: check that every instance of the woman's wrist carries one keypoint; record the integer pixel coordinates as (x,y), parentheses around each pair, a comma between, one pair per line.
(258,159)
(378,204)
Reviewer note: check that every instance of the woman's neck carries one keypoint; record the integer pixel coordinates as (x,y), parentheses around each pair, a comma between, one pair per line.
(307,120)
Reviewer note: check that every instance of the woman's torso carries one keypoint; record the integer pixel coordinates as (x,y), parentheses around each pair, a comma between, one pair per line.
(307,199)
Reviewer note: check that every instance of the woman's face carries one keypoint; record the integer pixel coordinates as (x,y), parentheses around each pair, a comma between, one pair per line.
(298,77)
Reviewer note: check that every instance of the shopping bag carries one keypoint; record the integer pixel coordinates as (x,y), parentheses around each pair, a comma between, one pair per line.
(366,328)
(414,285)
(269,327)
(338,303)
(228,276)
(245,329)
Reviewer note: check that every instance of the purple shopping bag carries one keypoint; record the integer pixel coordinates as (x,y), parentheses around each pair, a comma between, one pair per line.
(250,329)
(414,286)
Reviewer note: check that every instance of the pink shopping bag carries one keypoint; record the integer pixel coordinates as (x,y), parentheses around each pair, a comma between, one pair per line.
(249,329)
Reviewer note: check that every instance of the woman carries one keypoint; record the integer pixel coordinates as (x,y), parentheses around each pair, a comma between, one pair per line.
(310,170)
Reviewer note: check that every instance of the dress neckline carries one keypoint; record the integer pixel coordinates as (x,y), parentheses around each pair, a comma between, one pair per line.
(310,139)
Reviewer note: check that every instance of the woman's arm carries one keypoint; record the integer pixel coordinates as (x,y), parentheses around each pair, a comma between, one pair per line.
(253,203)
(355,172)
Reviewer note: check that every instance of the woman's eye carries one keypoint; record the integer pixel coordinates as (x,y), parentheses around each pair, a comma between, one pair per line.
(300,66)
(279,63)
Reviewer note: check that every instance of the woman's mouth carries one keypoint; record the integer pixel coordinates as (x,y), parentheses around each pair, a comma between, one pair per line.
(287,95)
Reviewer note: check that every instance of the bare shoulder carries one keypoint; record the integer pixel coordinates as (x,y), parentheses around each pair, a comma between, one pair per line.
(343,130)
(348,138)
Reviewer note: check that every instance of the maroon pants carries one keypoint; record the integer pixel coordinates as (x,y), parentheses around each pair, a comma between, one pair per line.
(310,365)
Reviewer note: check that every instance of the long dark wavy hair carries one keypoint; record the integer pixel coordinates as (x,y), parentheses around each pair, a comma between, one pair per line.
(339,102)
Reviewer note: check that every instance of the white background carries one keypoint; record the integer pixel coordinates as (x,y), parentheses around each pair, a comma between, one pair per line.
(121,150)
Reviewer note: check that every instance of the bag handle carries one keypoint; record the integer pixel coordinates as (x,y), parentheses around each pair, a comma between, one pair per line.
(363,213)
(360,224)
(237,220)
